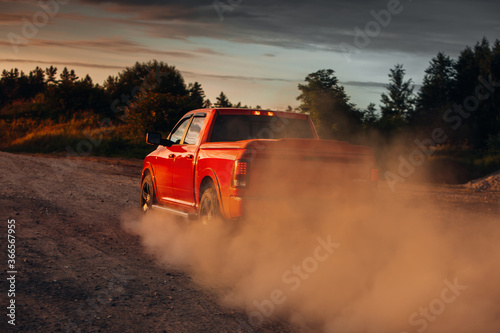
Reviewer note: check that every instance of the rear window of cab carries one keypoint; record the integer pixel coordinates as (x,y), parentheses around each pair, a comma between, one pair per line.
(244,127)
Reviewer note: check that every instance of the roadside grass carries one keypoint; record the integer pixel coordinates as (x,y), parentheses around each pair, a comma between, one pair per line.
(82,136)
(460,164)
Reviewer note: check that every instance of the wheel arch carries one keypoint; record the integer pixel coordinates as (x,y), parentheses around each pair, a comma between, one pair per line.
(148,170)
(145,173)
(205,183)
(210,178)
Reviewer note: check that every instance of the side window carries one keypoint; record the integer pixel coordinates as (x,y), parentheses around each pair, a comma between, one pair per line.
(194,130)
(177,134)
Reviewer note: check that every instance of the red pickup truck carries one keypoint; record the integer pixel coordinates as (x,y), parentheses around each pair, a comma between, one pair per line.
(216,161)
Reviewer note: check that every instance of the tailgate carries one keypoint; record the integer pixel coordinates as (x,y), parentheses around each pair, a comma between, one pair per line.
(303,167)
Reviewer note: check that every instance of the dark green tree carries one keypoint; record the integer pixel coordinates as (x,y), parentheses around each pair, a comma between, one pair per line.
(68,77)
(73,97)
(435,95)
(474,67)
(196,95)
(37,78)
(110,84)
(467,73)
(143,78)
(23,87)
(484,120)
(483,56)
(495,61)
(207,103)
(222,101)
(155,111)
(494,138)
(326,102)
(10,85)
(51,74)
(154,76)
(87,81)
(152,96)
(398,104)
(370,115)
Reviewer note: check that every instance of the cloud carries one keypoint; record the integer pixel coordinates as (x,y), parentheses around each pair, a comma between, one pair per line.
(205,50)
(238,77)
(10,19)
(117,45)
(364,84)
(62,63)
(424,27)
(421,27)
(5,43)
(112,44)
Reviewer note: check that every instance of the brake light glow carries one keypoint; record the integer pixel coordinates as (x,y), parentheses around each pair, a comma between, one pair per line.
(374,174)
(240,168)
(263,113)
(240,174)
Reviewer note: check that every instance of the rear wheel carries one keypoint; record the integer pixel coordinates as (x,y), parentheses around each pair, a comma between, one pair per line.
(147,193)
(209,206)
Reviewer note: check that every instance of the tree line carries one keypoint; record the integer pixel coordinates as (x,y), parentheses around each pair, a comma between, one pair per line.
(147,96)
(459,95)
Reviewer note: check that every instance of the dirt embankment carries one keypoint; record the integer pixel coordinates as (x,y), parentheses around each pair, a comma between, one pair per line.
(487,183)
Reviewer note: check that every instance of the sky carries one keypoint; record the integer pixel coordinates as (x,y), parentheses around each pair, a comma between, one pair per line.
(256,51)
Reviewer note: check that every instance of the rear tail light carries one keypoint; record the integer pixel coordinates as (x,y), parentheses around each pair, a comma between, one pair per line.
(374,174)
(240,174)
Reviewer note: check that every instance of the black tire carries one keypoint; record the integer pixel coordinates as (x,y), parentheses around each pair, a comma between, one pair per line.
(209,206)
(147,193)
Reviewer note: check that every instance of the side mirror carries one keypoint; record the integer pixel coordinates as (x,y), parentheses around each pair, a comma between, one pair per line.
(154,138)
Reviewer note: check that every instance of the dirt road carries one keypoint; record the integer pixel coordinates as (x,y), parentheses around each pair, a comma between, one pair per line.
(78,270)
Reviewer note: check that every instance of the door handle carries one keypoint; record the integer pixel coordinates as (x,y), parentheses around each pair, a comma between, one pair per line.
(171,156)
(190,156)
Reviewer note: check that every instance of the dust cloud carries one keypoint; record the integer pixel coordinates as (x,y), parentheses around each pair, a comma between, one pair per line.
(392,263)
